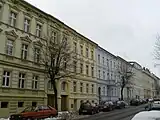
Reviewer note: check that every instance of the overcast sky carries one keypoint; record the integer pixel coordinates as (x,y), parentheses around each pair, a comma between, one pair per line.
(127,28)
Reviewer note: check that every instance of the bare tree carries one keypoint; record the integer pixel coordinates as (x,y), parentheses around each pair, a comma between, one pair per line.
(126,74)
(57,57)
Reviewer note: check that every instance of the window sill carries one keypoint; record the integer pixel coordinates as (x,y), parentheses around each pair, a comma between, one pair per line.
(9,57)
(6,87)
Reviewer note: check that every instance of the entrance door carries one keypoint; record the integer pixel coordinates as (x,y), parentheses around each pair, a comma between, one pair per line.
(75,104)
(51,100)
(64,102)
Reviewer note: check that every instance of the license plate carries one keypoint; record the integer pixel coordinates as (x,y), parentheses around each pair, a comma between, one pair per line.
(84,110)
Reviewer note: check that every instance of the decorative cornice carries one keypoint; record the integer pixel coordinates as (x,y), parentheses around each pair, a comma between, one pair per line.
(38,43)
(11,34)
(26,38)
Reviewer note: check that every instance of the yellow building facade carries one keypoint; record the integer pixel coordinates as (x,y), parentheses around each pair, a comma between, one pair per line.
(22,81)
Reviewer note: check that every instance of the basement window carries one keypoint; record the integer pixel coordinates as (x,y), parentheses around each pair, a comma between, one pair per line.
(20,104)
(34,104)
(4,104)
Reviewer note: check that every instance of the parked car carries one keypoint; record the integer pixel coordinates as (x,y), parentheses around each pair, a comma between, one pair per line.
(31,113)
(108,106)
(134,102)
(153,106)
(120,104)
(101,105)
(87,108)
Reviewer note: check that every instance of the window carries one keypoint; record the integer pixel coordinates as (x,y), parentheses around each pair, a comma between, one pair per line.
(104,75)
(75,47)
(92,55)
(108,75)
(103,60)
(99,73)
(107,62)
(12,18)
(81,87)
(86,52)
(63,86)
(92,88)
(21,80)
(38,30)
(87,88)
(81,68)
(26,24)
(35,82)
(20,104)
(81,47)
(112,92)
(111,64)
(74,86)
(55,37)
(36,55)
(104,91)
(75,66)
(4,104)
(92,71)
(34,104)
(9,47)
(114,65)
(99,59)
(87,70)
(6,79)
(111,76)
(24,51)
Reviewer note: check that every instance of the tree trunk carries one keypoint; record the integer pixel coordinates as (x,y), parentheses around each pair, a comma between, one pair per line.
(122,93)
(55,94)
(56,98)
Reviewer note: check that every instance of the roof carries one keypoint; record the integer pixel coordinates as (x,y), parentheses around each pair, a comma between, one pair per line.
(49,15)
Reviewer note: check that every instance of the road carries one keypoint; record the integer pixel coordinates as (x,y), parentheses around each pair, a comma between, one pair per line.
(118,114)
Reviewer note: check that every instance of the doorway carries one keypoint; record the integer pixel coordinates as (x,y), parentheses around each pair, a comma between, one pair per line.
(64,102)
(51,100)
(75,104)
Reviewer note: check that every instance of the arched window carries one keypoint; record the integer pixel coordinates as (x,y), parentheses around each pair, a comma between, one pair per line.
(63,86)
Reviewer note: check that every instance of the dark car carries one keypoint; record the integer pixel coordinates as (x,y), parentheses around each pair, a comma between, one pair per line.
(134,102)
(87,108)
(120,104)
(31,113)
(108,106)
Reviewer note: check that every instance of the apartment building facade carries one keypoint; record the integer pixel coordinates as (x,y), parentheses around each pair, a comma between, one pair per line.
(106,75)
(22,28)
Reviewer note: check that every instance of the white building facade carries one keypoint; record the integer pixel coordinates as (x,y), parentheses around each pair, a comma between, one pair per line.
(106,75)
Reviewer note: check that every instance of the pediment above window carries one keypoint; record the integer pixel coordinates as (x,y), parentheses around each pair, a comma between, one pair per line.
(11,34)
(26,38)
(38,43)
